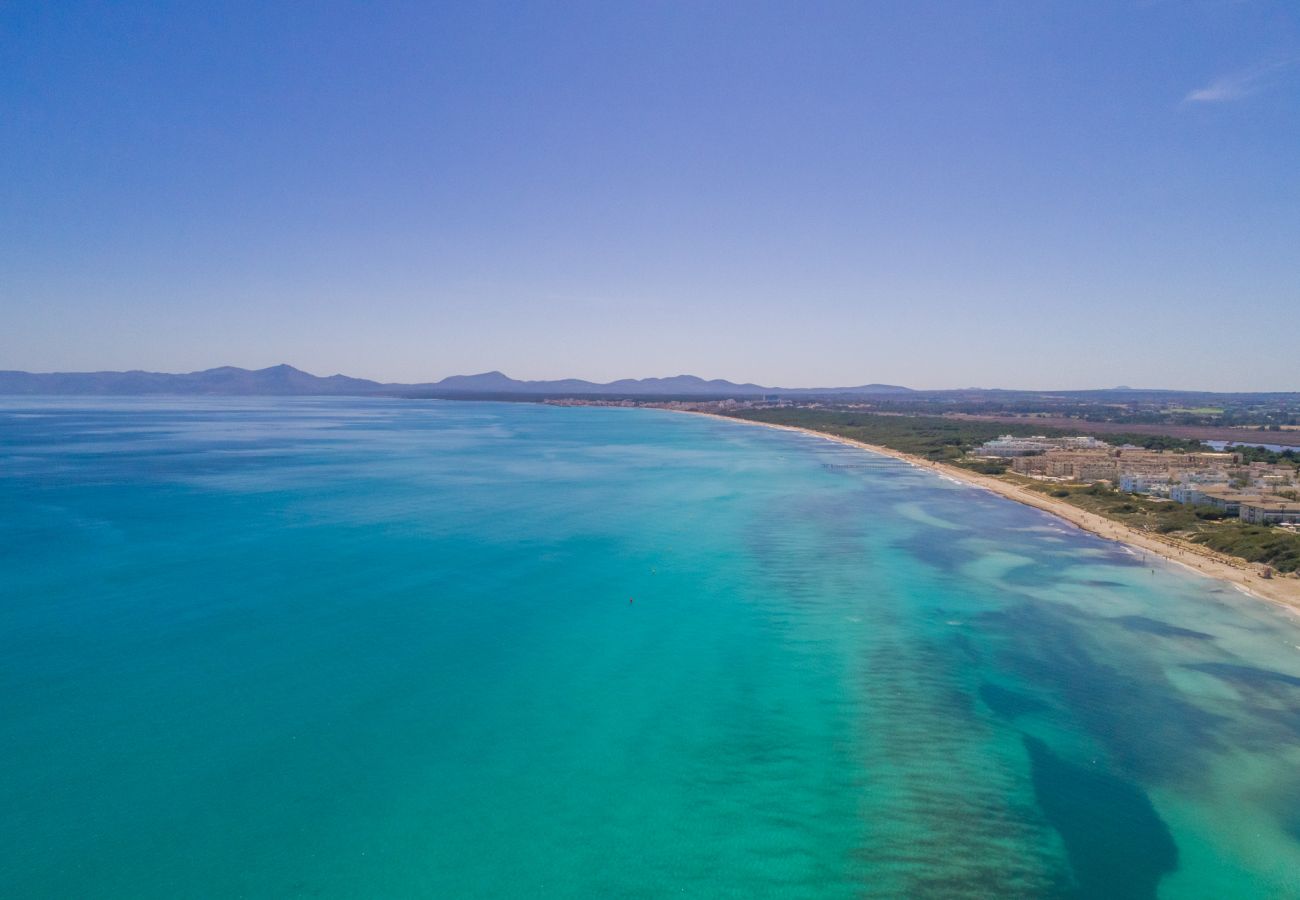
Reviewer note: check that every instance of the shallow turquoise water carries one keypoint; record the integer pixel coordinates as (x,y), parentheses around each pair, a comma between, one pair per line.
(338,648)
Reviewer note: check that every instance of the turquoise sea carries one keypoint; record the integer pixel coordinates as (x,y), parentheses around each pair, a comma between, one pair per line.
(385,648)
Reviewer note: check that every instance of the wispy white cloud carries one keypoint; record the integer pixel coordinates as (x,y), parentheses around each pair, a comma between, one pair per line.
(1238,84)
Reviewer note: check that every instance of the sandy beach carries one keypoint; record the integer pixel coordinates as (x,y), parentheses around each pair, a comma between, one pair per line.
(1281,589)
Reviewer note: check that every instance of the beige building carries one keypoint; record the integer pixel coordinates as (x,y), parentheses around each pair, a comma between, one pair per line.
(1079,465)
(1108,464)
(1151,461)
(1228,500)
(1270,511)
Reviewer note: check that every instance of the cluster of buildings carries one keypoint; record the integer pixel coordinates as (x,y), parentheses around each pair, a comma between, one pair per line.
(1259,493)
(711,406)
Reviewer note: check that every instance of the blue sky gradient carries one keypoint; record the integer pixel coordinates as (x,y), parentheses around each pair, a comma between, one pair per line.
(1013,194)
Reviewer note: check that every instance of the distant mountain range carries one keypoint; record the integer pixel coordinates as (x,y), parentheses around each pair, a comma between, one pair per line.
(284,380)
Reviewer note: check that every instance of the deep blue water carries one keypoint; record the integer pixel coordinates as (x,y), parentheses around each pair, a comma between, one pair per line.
(382,648)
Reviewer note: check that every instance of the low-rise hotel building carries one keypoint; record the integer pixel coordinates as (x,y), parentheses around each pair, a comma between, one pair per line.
(1227,499)
(1010,446)
(1270,511)
(1075,465)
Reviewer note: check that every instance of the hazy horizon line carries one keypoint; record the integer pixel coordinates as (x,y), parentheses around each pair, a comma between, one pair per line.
(594,381)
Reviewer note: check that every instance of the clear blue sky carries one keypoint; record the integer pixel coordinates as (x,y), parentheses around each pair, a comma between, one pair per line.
(1015,194)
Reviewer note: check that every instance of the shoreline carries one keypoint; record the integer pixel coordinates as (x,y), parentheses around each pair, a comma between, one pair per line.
(1280,590)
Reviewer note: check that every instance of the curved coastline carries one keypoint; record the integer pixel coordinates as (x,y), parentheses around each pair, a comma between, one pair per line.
(1283,590)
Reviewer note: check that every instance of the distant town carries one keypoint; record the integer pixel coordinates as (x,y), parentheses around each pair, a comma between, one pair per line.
(1260,493)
